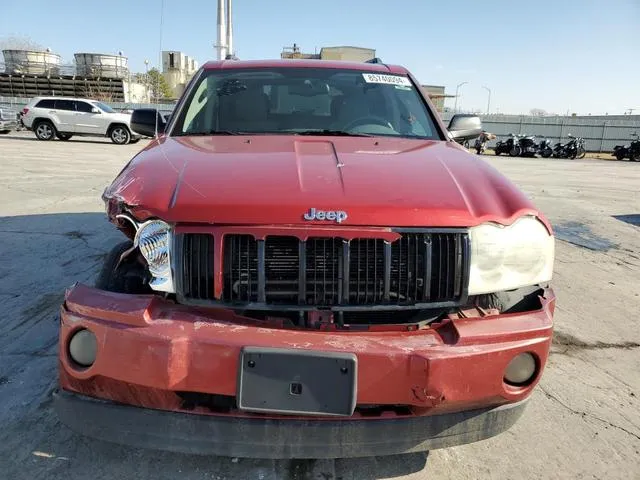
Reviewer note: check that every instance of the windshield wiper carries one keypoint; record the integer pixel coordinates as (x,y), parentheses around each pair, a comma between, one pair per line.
(336,133)
(213,132)
(320,132)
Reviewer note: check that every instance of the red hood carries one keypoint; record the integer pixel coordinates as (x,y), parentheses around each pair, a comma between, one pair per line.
(276,179)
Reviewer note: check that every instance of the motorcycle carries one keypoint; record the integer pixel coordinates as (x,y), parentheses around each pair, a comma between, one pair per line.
(21,126)
(481,142)
(544,148)
(510,146)
(574,148)
(580,150)
(528,146)
(632,151)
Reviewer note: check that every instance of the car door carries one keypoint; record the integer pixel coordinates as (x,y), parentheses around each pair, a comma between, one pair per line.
(89,119)
(63,115)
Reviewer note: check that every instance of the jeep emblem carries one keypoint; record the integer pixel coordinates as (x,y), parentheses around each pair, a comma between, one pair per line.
(337,216)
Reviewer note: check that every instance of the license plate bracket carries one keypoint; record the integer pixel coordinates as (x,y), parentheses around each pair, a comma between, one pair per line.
(297,382)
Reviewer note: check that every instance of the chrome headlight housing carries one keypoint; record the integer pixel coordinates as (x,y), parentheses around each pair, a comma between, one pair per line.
(506,258)
(154,238)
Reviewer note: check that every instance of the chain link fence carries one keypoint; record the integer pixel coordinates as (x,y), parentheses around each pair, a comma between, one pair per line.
(601,133)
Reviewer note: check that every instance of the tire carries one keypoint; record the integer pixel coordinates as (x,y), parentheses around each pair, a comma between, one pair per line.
(128,277)
(546,153)
(515,151)
(619,155)
(44,130)
(64,136)
(120,135)
(635,156)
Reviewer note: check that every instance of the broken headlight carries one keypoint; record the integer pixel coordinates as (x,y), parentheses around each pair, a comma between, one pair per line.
(154,239)
(505,258)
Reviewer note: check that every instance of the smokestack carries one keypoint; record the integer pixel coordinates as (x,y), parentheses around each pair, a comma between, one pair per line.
(220,46)
(229,30)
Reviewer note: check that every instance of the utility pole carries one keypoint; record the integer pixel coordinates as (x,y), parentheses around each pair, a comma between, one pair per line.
(221,45)
(229,32)
(455,106)
(146,80)
(488,99)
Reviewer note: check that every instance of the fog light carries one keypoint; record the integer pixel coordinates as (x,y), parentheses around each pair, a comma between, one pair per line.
(520,370)
(83,347)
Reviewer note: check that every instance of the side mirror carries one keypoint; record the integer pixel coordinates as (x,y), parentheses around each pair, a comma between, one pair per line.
(95,110)
(145,120)
(465,127)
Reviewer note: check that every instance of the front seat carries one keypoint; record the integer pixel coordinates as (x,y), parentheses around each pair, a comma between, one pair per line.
(245,111)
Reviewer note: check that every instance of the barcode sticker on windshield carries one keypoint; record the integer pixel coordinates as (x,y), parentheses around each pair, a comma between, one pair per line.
(386,79)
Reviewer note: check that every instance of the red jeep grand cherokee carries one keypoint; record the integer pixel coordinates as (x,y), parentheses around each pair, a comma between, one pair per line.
(315,269)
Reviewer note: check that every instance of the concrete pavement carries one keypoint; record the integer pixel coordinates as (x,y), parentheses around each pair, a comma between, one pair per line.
(583,420)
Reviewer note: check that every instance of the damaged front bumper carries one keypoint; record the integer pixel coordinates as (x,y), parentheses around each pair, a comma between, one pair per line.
(434,387)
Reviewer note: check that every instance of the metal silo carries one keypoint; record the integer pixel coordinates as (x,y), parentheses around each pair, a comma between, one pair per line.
(100,65)
(29,62)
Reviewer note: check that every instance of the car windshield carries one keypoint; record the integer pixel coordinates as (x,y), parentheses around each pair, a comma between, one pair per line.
(104,107)
(304,101)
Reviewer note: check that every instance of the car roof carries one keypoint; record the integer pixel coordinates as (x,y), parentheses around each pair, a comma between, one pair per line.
(303,63)
(65,98)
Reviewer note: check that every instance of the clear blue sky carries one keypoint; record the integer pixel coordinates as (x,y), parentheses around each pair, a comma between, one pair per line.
(557,55)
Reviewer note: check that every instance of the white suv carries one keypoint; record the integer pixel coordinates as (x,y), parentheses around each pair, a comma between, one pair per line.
(61,117)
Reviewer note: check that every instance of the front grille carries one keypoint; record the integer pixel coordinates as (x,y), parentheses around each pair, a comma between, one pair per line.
(420,268)
(240,268)
(366,271)
(323,276)
(195,253)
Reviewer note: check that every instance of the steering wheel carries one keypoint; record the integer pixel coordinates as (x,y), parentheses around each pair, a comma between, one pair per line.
(367,120)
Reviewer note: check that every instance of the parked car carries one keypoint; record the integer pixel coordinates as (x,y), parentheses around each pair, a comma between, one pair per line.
(61,117)
(326,275)
(7,120)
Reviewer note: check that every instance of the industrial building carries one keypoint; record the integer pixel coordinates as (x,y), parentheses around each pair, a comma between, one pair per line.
(93,75)
(177,69)
(343,53)
(437,95)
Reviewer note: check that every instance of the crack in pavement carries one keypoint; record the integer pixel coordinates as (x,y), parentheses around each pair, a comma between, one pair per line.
(73,234)
(569,353)
(586,414)
(29,354)
(25,232)
(568,340)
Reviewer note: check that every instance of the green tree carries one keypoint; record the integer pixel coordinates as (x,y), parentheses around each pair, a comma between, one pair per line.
(158,85)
